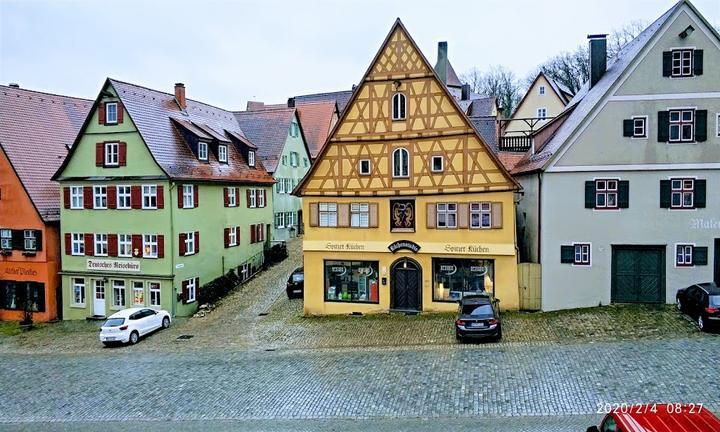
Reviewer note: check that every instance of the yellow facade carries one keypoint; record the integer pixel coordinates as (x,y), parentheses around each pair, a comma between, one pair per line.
(548,99)
(356,207)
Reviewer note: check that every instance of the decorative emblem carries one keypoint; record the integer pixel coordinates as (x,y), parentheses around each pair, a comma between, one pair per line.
(404,244)
(402,215)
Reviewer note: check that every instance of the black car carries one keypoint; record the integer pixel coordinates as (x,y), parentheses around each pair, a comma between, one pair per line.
(702,303)
(478,317)
(296,284)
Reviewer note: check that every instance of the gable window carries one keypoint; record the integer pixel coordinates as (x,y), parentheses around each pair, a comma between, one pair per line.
(189,243)
(202,151)
(232,236)
(398,106)
(119,293)
(365,166)
(188,195)
(77,241)
(447,215)
(149,196)
(294,129)
(150,246)
(123,197)
(305,162)
(284,159)
(101,244)
(682,123)
(261,197)
(232,197)
(30,243)
(683,193)
(481,215)
(251,158)
(360,215)
(78,291)
(294,159)
(582,254)
(606,194)
(99,197)
(542,113)
(222,153)
(327,214)
(437,164)
(682,63)
(112,154)
(76,197)
(401,163)
(253,198)
(111,113)
(683,255)
(124,245)
(639,127)
(542,90)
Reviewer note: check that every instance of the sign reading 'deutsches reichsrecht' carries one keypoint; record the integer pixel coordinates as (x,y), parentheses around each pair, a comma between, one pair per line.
(113,265)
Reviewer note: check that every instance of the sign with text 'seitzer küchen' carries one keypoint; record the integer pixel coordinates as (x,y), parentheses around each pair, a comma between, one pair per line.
(113,265)
(404,245)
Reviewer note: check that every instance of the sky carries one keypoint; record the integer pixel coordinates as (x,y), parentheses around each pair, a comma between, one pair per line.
(228,52)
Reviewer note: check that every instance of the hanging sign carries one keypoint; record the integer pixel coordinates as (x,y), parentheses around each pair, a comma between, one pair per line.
(404,245)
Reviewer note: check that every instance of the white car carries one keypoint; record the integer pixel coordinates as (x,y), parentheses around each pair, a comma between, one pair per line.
(129,324)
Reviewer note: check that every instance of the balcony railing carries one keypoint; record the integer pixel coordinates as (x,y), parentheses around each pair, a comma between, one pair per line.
(515,143)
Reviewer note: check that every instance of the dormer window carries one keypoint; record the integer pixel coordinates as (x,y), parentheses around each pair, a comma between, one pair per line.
(111,113)
(251,158)
(202,151)
(222,153)
(398,106)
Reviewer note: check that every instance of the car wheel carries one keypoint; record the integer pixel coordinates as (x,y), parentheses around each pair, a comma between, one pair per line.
(701,323)
(498,338)
(107,344)
(166,322)
(134,337)
(458,336)
(678,304)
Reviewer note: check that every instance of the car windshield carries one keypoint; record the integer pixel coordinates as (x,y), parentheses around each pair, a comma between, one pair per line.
(714,301)
(114,322)
(483,309)
(298,277)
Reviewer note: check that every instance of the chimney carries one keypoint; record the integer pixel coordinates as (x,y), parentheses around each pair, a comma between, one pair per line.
(598,57)
(180,95)
(255,106)
(441,65)
(291,102)
(14,85)
(465,89)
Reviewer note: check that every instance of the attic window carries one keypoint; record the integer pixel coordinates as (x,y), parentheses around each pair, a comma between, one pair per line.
(111,116)
(202,151)
(398,106)
(542,90)
(251,158)
(222,153)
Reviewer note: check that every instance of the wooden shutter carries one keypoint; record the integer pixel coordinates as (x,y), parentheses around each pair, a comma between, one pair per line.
(667,63)
(197,288)
(180,195)
(590,194)
(161,246)
(197,241)
(38,240)
(18,239)
(226,197)
(196,195)
(66,197)
(247,197)
(663,132)
(343,215)
(122,152)
(137,245)
(665,193)
(237,197)
(112,197)
(99,154)
(698,62)
(462,215)
(181,243)
(160,197)
(497,215)
(430,216)
(135,197)
(252,234)
(700,255)
(567,254)
(624,194)
(373,223)
(700,125)
(101,113)
(237,235)
(87,197)
(700,194)
(226,233)
(314,215)
(68,244)
(119,112)
(89,245)
(112,245)
(184,293)
(628,126)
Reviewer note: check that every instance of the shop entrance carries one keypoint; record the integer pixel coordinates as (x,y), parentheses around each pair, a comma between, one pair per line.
(405,285)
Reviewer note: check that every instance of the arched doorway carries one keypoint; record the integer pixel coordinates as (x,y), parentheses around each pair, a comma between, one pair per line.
(406,285)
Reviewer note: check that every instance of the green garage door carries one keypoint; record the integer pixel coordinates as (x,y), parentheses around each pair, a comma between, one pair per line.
(638,274)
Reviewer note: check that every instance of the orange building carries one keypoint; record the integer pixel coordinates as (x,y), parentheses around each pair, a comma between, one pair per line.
(36,129)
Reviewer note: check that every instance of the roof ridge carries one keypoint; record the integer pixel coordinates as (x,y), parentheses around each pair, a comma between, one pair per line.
(45,93)
(168,94)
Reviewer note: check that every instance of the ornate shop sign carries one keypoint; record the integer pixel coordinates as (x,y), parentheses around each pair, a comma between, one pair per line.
(404,245)
(402,215)
(113,265)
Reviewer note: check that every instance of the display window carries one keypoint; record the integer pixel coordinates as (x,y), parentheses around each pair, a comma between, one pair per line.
(352,281)
(454,278)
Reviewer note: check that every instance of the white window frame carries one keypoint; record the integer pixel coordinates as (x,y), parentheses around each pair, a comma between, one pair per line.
(112,154)
(202,150)
(125,245)
(261,197)
(284,160)
(100,244)
(149,192)
(584,252)
(6,239)
(279,220)
(446,210)
(100,192)
(108,120)
(717,125)
(294,159)
(398,172)
(150,240)
(679,187)
(153,292)
(368,164)
(123,193)
(253,198)
(118,285)
(432,163)
(541,90)
(78,287)
(232,236)
(542,113)
(280,186)
(232,197)
(191,289)
(138,286)
(77,244)
(360,215)
(188,195)
(481,209)
(328,212)
(683,59)
(251,158)
(190,243)
(644,125)
(688,253)
(29,240)
(607,189)
(291,219)
(77,198)
(222,153)
(399,106)
(680,124)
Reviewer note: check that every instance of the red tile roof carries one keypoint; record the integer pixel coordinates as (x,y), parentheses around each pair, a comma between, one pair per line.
(35,127)
(268,129)
(316,119)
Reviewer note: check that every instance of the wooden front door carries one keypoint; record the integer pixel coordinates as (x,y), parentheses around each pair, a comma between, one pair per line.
(638,274)
(406,286)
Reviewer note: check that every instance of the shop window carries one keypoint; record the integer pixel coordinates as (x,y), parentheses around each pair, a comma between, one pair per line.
(78,285)
(454,278)
(118,290)
(352,281)
(16,295)
(138,293)
(154,288)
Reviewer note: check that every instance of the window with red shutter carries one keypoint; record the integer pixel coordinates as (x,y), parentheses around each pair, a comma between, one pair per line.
(161,246)
(247,198)
(87,197)
(89,245)
(112,245)
(181,243)
(120,112)
(226,232)
(66,197)
(180,200)
(197,241)
(184,294)
(226,198)
(196,195)
(135,197)
(160,197)
(237,231)
(68,244)
(137,250)
(122,149)
(112,197)
(101,113)
(252,234)
(99,154)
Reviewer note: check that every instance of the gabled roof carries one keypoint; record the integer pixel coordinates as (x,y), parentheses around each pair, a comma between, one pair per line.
(35,129)
(560,89)
(483,106)
(564,96)
(588,98)
(268,129)
(316,119)
(452,77)
(155,113)
(340,97)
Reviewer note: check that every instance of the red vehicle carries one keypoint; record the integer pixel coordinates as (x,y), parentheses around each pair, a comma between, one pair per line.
(660,417)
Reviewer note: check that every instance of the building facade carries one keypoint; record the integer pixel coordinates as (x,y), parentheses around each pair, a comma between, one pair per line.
(30,152)
(160,195)
(544,99)
(406,208)
(620,203)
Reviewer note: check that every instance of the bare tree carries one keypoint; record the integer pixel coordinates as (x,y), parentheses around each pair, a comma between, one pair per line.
(473,77)
(497,81)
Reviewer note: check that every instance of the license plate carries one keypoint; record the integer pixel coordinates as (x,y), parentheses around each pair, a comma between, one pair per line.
(296,291)
(477,325)
(109,338)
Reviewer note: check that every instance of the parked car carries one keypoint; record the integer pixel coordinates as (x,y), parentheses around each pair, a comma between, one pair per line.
(296,284)
(659,417)
(478,317)
(130,324)
(702,303)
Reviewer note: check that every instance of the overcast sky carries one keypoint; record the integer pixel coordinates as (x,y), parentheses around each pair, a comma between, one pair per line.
(228,52)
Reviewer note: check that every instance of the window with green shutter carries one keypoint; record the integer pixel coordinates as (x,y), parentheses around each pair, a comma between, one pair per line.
(700,255)
(567,254)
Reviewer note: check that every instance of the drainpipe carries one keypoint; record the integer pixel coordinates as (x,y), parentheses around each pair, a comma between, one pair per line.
(172,187)
(539,217)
